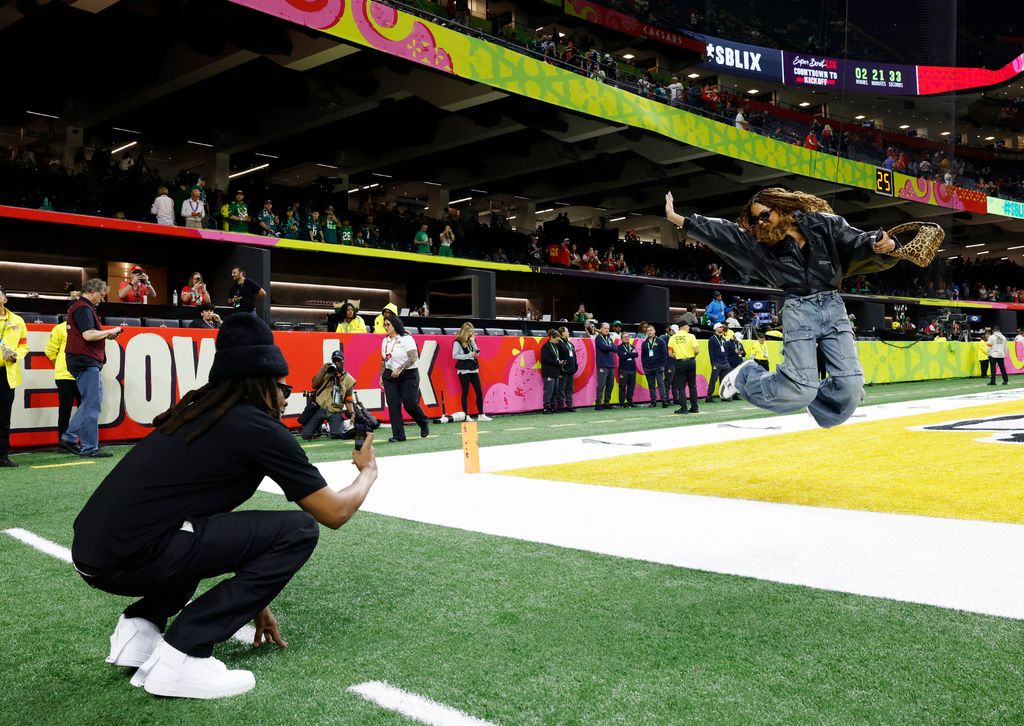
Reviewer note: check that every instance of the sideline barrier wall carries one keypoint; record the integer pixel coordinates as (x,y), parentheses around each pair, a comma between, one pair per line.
(148,369)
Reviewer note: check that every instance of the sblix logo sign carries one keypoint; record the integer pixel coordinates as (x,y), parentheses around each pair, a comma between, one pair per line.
(724,55)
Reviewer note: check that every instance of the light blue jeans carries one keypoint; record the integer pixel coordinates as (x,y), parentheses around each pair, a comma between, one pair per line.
(84,427)
(809,322)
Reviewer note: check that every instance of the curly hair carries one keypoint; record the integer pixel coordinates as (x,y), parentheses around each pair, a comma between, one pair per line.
(784,202)
(216,399)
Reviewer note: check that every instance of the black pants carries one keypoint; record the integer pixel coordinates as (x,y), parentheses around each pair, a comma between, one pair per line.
(686,377)
(670,372)
(6,403)
(263,550)
(551,393)
(605,384)
(998,363)
(471,379)
(67,398)
(984,367)
(762,363)
(312,427)
(717,373)
(403,391)
(627,383)
(565,390)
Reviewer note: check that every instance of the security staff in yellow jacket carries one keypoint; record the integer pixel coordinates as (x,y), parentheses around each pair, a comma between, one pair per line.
(981,350)
(13,347)
(67,389)
(378,322)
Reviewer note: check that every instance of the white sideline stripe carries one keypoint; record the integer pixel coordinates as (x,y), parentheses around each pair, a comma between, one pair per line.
(43,545)
(950,563)
(245,634)
(415,707)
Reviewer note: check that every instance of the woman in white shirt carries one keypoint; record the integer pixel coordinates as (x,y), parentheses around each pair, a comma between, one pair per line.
(465,353)
(163,207)
(400,378)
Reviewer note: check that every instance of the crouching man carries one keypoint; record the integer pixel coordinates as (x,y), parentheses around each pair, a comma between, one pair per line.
(155,528)
(332,389)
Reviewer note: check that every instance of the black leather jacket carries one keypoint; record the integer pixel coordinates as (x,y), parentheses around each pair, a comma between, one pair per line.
(837,250)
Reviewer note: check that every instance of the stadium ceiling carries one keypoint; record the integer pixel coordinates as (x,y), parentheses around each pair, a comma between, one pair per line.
(188,80)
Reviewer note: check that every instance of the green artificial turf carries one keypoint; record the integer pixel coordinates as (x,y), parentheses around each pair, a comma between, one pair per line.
(506,630)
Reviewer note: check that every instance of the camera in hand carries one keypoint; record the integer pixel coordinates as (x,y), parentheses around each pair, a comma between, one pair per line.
(363,422)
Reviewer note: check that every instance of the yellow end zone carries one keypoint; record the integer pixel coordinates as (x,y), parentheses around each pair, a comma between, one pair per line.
(879,466)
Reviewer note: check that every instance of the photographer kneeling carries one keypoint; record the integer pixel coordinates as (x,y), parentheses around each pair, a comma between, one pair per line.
(332,392)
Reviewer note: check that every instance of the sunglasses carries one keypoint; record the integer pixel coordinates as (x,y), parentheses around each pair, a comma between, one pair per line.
(764,216)
(285,389)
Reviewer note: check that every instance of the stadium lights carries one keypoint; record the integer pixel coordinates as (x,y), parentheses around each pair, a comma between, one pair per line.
(953,257)
(693,75)
(511,218)
(382,176)
(1018,247)
(265,156)
(861,117)
(616,219)
(248,171)
(804,104)
(980,244)
(628,56)
(433,184)
(904,126)
(1004,258)
(199,143)
(561,35)
(544,211)
(45,115)
(129,145)
(944,133)
(601,209)
(752,91)
(127,131)
(478,191)
(985,252)
(990,138)
(326,166)
(460,201)
(516,196)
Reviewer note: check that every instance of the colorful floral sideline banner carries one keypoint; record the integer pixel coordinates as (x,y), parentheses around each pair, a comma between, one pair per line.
(149,369)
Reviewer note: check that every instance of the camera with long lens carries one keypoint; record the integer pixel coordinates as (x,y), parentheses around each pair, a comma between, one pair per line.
(363,421)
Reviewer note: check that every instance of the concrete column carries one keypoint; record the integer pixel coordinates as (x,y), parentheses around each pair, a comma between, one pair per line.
(74,139)
(218,166)
(437,201)
(670,235)
(526,215)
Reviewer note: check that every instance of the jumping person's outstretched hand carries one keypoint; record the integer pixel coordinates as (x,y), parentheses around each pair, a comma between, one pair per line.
(670,211)
(266,630)
(884,245)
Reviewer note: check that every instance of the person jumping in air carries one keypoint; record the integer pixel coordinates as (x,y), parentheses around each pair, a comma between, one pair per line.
(793,241)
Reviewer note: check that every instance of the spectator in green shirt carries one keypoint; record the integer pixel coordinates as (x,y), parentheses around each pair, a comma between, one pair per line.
(267,220)
(313,229)
(422,240)
(346,233)
(238,214)
(330,226)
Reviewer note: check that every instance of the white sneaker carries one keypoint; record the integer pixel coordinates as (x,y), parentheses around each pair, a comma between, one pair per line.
(169,672)
(132,642)
(483,417)
(727,390)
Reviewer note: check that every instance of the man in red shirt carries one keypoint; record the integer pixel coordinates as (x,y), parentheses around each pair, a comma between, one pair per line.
(552,252)
(563,253)
(811,141)
(137,289)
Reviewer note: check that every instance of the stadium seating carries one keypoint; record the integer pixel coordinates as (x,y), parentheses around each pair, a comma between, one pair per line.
(123,322)
(495,331)
(43,319)
(430,331)
(160,323)
(451,331)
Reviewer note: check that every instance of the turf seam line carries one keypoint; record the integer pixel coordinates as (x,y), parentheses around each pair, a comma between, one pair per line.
(68,463)
(415,707)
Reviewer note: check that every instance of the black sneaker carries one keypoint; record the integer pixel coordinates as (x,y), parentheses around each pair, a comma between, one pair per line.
(664,405)
(97,454)
(70,447)
(681,409)
(6,463)
(694,410)
(424,431)
(393,440)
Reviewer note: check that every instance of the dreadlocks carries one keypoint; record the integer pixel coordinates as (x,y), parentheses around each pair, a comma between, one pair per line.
(784,202)
(216,399)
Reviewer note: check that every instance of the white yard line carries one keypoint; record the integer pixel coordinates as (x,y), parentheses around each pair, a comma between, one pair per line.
(245,634)
(961,564)
(413,706)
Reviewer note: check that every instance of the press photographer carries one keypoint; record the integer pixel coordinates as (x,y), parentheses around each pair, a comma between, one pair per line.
(332,399)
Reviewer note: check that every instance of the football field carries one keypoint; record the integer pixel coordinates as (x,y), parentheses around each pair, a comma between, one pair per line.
(627,566)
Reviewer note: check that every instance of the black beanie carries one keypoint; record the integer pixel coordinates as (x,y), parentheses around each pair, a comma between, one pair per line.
(246,349)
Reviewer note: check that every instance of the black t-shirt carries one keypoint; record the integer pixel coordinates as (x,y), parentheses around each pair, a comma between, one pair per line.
(84,319)
(161,482)
(248,290)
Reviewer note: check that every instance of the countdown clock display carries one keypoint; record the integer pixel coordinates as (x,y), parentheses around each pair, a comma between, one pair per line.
(880,77)
(884,182)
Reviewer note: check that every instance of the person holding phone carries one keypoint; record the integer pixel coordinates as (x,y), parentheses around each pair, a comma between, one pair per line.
(400,378)
(86,353)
